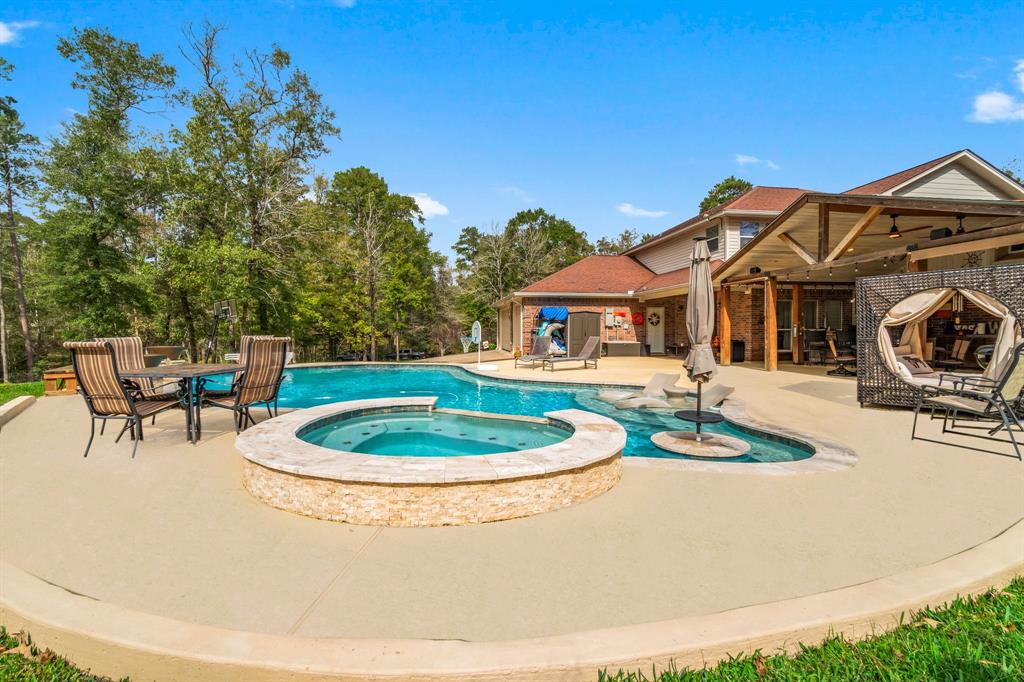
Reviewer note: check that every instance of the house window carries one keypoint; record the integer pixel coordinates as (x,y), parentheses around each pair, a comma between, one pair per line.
(711,235)
(1016,248)
(748,230)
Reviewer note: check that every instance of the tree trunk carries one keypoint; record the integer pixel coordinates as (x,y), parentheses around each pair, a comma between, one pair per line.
(3,326)
(373,322)
(19,276)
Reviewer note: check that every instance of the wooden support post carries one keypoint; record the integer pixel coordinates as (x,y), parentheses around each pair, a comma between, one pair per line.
(771,325)
(724,329)
(798,324)
(822,232)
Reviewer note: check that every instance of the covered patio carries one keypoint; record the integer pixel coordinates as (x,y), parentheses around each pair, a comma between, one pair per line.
(791,289)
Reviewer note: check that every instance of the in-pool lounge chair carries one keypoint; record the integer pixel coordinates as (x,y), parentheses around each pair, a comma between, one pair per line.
(999,400)
(653,392)
(540,350)
(107,395)
(590,353)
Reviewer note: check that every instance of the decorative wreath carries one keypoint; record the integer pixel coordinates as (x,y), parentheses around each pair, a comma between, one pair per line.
(654,319)
(638,319)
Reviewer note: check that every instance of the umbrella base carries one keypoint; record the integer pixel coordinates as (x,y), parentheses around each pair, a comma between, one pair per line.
(713,445)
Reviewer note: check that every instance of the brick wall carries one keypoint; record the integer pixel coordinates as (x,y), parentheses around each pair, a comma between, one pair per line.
(532,306)
(675,319)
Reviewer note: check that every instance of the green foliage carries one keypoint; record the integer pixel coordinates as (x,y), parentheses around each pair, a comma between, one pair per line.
(1014,170)
(531,245)
(972,639)
(98,181)
(724,191)
(626,240)
(12,391)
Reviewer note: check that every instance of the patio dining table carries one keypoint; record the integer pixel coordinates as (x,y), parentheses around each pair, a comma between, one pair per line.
(186,375)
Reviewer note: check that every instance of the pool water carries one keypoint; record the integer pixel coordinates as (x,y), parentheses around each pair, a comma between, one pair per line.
(458,389)
(437,434)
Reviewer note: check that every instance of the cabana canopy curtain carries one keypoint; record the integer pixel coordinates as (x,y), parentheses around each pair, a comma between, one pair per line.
(922,305)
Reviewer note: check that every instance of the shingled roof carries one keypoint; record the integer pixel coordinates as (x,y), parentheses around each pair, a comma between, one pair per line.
(595,275)
(883,185)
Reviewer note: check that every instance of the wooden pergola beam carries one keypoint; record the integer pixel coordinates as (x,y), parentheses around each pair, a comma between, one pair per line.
(971,241)
(855,232)
(798,249)
(1005,207)
(954,249)
(823,226)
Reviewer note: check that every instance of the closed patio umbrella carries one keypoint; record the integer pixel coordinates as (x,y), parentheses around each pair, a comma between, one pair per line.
(700,320)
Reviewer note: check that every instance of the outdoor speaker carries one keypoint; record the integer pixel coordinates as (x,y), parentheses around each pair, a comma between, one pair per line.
(941,233)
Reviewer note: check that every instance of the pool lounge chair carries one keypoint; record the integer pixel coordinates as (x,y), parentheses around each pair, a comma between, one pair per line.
(655,389)
(999,400)
(540,350)
(107,395)
(590,353)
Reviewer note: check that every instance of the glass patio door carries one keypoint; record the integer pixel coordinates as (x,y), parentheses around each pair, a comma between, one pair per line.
(784,322)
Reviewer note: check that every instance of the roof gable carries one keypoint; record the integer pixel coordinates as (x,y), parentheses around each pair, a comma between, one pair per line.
(961,174)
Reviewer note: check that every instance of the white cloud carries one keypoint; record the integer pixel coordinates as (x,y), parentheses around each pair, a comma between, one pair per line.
(748,160)
(996,106)
(637,212)
(10,30)
(345,3)
(518,193)
(429,206)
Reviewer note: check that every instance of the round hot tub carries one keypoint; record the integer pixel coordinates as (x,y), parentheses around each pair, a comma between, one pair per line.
(401,462)
(431,433)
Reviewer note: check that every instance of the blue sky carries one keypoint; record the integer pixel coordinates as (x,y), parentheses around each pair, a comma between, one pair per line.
(611,114)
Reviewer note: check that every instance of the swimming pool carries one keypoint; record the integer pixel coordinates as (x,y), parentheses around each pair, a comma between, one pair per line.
(459,389)
(435,433)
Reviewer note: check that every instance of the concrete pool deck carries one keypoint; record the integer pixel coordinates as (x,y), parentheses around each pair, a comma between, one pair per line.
(174,534)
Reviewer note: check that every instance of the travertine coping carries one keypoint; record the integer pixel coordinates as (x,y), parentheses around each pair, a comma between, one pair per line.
(274,444)
(286,472)
(113,640)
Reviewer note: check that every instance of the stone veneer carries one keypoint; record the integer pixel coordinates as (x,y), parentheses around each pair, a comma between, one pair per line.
(288,473)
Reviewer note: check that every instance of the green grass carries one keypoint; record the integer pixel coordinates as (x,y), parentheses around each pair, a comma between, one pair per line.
(971,639)
(21,661)
(11,391)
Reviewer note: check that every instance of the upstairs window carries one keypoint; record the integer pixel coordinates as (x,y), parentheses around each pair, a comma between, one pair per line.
(711,235)
(748,230)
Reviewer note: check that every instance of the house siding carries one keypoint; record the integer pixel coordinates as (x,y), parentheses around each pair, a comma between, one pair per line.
(952,182)
(674,253)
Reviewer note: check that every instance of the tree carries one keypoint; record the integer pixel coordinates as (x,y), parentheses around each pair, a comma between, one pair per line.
(377,225)
(254,133)
(17,181)
(1014,169)
(626,240)
(727,189)
(531,245)
(99,180)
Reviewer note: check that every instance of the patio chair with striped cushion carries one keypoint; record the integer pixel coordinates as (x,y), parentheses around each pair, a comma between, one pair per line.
(129,355)
(257,384)
(107,395)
